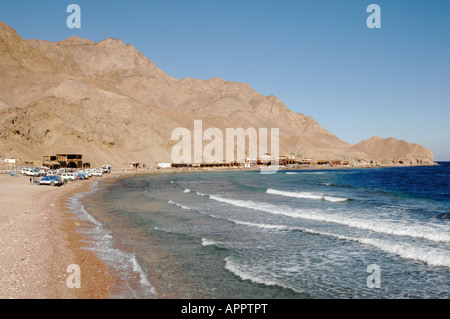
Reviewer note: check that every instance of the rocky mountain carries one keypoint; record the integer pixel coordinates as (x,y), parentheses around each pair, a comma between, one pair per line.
(109,102)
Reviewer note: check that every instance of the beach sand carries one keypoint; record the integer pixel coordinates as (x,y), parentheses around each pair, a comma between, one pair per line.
(38,241)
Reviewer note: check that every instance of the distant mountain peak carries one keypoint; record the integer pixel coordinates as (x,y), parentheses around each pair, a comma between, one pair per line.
(6,28)
(76,40)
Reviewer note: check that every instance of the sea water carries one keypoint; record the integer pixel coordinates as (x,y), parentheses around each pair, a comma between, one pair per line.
(293,234)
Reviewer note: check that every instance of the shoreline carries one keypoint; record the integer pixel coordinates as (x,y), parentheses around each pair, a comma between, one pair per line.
(130,172)
(39,239)
(96,279)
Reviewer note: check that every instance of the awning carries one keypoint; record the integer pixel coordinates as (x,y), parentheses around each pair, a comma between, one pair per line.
(52,163)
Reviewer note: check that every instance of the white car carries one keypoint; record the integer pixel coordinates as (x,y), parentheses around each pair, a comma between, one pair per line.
(97,173)
(50,180)
(30,171)
(69,176)
(106,168)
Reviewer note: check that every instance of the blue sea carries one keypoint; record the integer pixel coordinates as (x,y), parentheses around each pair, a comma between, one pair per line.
(333,234)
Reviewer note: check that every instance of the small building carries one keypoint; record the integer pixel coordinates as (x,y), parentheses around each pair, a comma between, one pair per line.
(10,163)
(137,166)
(286,159)
(63,161)
(180,165)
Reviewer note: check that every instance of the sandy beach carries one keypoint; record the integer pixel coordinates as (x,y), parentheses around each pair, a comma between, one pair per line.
(38,241)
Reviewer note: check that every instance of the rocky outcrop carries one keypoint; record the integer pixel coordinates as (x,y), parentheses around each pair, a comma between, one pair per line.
(392,151)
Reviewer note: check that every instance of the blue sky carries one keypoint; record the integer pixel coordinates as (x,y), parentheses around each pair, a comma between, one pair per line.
(317,56)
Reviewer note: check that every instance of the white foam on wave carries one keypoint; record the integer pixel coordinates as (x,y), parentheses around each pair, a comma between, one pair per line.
(429,255)
(94,185)
(89,217)
(335,199)
(306,173)
(239,271)
(305,195)
(390,227)
(164,230)
(103,245)
(201,194)
(186,190)
(209,242)
(171,202)
(263,226)
(143,278)
(79,208)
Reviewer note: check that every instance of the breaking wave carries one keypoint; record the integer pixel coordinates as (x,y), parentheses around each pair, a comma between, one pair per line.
(376,225)
(306,195)
(245,274)
(430,256)
(171,202)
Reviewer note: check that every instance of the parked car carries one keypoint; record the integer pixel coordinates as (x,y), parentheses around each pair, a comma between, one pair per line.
(106,168)
(50,180)
(88,172)
(82,175)
(68,176)
(62,171)
(97,173)
(27,171)
(13,174)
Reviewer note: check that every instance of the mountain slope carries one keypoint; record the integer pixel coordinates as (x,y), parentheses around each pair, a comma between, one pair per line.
(394,151)
(109,102)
